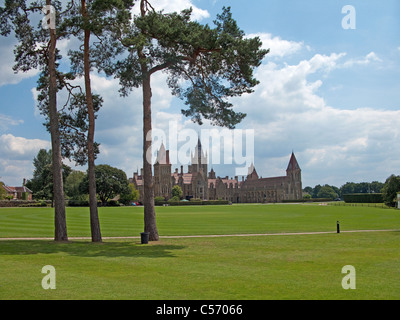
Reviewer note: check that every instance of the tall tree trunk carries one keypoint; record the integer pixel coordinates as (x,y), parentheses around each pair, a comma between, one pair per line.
(149,210)
(60,232)
(94,217)
(150,224)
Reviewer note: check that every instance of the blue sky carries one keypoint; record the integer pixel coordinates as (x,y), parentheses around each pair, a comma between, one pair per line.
(330,94)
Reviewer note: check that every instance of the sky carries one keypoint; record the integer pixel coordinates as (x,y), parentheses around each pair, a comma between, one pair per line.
(329,91)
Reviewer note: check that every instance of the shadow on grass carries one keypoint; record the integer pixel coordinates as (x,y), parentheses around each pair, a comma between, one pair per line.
(88,249)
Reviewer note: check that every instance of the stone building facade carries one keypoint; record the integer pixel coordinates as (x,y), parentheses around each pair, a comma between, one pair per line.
(198,183)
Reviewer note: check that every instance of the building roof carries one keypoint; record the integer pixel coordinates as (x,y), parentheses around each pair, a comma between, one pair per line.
(187,178)
(264,182)
(225,181)
(17,189)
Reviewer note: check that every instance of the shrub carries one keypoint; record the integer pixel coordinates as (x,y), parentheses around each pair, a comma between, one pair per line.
(174,199)
(363,198)
(113,203)
(198,202)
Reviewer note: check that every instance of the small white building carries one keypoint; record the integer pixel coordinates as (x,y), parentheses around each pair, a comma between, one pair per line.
(398,200)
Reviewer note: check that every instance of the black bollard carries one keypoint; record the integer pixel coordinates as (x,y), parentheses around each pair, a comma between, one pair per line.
(338,227)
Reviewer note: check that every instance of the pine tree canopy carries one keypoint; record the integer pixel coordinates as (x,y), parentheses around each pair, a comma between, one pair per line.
(206,66)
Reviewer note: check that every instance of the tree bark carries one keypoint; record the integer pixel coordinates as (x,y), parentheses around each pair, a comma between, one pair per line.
(94,217)
(150,224)
(60,224)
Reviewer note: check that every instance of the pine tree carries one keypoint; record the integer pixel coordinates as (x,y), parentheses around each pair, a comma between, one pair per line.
(37,48)
(87,20)
(206,66)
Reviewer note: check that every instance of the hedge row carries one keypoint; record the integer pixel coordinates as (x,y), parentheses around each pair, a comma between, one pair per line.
(24,203)
(363,198)
(85,203)
(192,203)
(308,200)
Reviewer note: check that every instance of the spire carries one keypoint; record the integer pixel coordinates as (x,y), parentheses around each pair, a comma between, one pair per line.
(199,148)
(293,164)
(199,157)
(251,169)
(162,155)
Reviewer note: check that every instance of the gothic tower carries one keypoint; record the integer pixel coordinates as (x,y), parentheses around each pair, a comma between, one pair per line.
(199,160)
(162,174)
(199,171)
(293,174)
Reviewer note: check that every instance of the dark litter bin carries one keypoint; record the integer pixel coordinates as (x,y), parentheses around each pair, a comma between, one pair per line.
(144,236)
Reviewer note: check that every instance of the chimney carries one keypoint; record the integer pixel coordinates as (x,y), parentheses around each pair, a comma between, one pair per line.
(181,170)
(24,182)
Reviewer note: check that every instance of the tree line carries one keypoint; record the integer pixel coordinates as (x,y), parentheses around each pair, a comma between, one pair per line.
(388,189)
(111,182)
(206,66)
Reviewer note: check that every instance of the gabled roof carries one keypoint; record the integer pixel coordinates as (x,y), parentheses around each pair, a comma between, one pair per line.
(17,189)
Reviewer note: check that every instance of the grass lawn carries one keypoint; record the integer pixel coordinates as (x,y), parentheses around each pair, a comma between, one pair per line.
(265,267)
(200,220)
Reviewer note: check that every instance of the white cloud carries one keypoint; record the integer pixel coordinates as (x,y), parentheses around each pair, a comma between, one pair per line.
(287,89)
(7,121)
(369,58)
(332,145)
(19,147)
(278,47)
(7,74)
(16,156)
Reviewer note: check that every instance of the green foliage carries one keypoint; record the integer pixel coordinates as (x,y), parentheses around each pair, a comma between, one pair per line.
(390,190)
(347,188)
(327,192)
(74,125)
(110,182)
(362,187)
(174,199)
(36,204)
(177,192)
(196,202)
(307,197)
(130,195)
(363,198)
(205,66)
(3,192)
(72,184)
(42,182)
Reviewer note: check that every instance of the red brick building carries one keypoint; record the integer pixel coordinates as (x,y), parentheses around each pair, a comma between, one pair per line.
(201,184)
(18,193)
